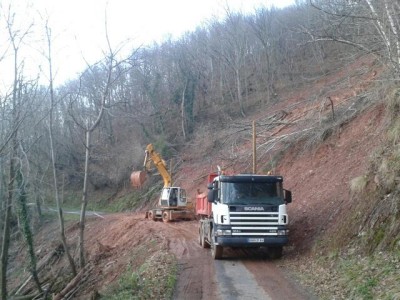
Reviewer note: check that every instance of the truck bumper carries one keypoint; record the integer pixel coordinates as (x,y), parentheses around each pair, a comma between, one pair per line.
(247,241)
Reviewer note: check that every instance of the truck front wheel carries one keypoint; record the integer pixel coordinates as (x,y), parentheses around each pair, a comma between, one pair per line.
(203,242)
(216,250)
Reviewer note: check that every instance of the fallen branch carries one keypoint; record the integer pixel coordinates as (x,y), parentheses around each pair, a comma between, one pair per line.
(40,266)
(70,287)
(282,137)
(25,297)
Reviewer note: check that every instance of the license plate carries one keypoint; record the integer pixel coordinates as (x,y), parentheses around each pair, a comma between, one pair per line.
(253,240)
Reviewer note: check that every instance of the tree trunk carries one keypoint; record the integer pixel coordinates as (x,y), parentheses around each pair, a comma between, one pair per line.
(183,115)
(239,93)
(38,206)
(7,219)
(84,203)
(10,191)
(53,161)
(26,230)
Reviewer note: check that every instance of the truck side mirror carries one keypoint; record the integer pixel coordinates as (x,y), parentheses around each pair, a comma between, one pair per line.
(210,196)
(288,196)
(210,186)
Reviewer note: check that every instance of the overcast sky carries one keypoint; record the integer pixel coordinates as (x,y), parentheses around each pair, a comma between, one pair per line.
(78,26)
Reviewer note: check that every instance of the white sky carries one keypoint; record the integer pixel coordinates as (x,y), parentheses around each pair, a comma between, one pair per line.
(78,27)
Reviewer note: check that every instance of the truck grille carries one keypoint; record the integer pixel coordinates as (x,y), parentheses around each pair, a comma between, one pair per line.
(254,223)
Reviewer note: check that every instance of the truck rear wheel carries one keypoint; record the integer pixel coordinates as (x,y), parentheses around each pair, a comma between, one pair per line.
(203,242)
(216,250)
(200,235)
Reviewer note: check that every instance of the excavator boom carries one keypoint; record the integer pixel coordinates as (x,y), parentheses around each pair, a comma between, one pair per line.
(153,156)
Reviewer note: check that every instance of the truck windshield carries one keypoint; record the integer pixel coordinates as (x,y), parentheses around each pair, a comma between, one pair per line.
(267,193)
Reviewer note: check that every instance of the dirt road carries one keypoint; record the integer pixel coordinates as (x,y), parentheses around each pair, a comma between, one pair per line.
(242,274)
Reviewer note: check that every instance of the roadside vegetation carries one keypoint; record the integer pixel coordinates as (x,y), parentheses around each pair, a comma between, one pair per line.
(352,276)
(154,278)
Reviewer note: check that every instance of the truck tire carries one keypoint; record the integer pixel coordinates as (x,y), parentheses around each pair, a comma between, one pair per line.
(200,235)
(216,250)
(275,252)
(203,242)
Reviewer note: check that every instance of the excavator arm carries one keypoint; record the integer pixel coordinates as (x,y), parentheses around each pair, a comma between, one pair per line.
(153,156)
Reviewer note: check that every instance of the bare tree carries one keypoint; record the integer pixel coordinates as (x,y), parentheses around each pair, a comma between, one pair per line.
(52,151)
(262,26)
(16,38)
(88,124)
(231,49)
(369,26)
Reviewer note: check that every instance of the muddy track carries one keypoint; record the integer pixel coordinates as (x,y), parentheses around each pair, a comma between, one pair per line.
(242,274)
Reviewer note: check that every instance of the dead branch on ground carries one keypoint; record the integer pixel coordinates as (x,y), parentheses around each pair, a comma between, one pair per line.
(73,286)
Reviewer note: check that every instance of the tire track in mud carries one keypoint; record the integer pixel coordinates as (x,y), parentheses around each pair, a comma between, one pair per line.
(241,274)
(275,282)
(236,282)
(196,273)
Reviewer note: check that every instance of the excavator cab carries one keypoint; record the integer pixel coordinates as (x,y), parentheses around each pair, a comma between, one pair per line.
(173,196)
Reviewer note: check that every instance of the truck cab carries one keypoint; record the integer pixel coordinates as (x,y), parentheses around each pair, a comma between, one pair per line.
(247,211)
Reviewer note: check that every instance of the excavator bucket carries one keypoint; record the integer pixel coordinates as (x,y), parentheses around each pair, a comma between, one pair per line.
(138,178)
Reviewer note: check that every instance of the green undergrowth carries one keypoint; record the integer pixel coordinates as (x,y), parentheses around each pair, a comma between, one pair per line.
(107,202)
(373,277)
(151,274)
(126,202)
(347,276)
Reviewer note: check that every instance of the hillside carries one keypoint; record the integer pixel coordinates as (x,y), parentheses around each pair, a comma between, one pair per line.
(319,82)
(317,168)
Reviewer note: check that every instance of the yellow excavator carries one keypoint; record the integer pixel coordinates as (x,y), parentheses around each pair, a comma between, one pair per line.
(173,204)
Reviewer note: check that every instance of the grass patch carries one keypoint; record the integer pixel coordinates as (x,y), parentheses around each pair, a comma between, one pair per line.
(358,184)
(124,203)
(365,289)
(373,277)
(350,276)
(151,274)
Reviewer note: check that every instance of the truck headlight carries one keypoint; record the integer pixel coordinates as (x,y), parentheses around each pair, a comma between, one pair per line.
(283,232)
(223,232)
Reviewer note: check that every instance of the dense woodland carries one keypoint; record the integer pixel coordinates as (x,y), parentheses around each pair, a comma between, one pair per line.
(88,133)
